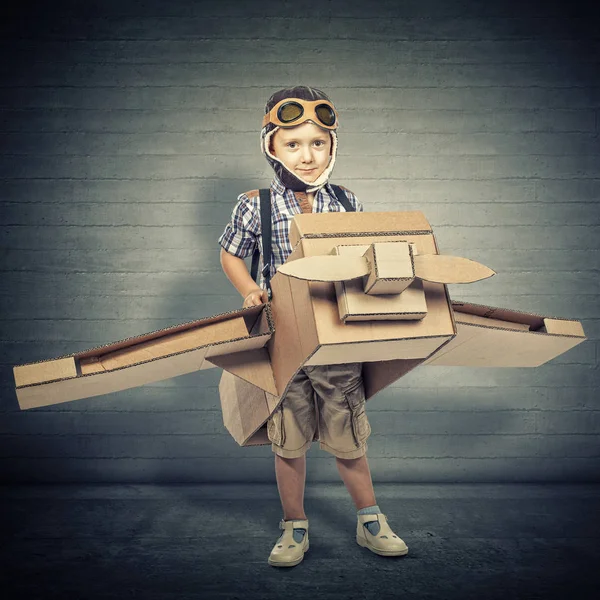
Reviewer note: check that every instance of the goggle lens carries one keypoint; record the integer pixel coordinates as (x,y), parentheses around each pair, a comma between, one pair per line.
(325,114)
(289,112)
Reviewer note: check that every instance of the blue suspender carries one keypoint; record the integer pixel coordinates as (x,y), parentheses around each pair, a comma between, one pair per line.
(265,224)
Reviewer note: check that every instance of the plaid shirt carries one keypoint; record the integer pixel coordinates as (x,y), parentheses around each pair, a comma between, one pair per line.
(243,232)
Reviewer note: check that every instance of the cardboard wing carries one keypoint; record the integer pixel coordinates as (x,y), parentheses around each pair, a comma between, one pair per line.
(497,337)
(151,357)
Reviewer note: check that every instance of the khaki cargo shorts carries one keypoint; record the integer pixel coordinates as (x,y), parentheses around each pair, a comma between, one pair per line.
(324,402)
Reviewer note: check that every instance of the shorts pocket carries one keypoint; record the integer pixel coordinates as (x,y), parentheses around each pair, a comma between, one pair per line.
(275,429)
(361,428)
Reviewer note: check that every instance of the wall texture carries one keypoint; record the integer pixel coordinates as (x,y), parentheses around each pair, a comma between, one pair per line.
(129,128)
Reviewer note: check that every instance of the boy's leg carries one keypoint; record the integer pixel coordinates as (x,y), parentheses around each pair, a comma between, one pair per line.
(291,477)
(356,476)
(289,549)
(344,429)
(291,429)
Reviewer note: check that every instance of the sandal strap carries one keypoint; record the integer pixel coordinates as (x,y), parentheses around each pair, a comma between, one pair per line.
(291,525)
(371,518)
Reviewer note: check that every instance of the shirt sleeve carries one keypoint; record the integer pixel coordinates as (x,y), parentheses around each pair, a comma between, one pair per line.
(240,236)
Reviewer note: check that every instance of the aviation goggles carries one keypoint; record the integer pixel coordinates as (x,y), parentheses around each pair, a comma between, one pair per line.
(290,112)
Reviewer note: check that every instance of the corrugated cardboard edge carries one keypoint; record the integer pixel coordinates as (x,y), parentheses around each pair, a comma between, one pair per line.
(322,224)
(314,236)
(516,316)
(403,316)
(245,312)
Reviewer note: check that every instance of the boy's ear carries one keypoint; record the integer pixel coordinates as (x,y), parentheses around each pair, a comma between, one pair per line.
(271,140)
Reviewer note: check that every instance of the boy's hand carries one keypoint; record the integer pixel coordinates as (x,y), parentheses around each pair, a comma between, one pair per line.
(255,297)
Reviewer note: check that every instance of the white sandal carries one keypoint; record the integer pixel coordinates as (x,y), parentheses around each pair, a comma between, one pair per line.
(287,552)
(385,543)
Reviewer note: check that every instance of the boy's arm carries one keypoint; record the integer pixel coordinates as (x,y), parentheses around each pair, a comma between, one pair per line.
(238,241)
(237,272)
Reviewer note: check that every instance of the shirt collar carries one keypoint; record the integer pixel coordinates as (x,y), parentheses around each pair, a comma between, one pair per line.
(277,186)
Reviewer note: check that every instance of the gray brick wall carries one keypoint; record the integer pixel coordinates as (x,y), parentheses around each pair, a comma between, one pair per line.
(129,128)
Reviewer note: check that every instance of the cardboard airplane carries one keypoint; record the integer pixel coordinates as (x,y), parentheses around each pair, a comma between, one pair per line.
(358,287)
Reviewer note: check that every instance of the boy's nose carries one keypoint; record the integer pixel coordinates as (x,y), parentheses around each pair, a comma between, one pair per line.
(307,156)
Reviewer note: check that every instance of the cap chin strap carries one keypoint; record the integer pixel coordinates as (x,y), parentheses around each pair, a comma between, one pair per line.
(302,184)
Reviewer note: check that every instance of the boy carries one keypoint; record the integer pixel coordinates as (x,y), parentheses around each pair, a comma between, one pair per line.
(299,141)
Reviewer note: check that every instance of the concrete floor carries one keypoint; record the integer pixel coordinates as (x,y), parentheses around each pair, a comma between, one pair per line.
(212,541)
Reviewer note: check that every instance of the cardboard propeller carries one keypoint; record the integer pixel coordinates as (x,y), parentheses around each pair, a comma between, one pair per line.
(383,280)
(388,261)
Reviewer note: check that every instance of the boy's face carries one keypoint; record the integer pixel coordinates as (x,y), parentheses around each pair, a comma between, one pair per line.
(305,150)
